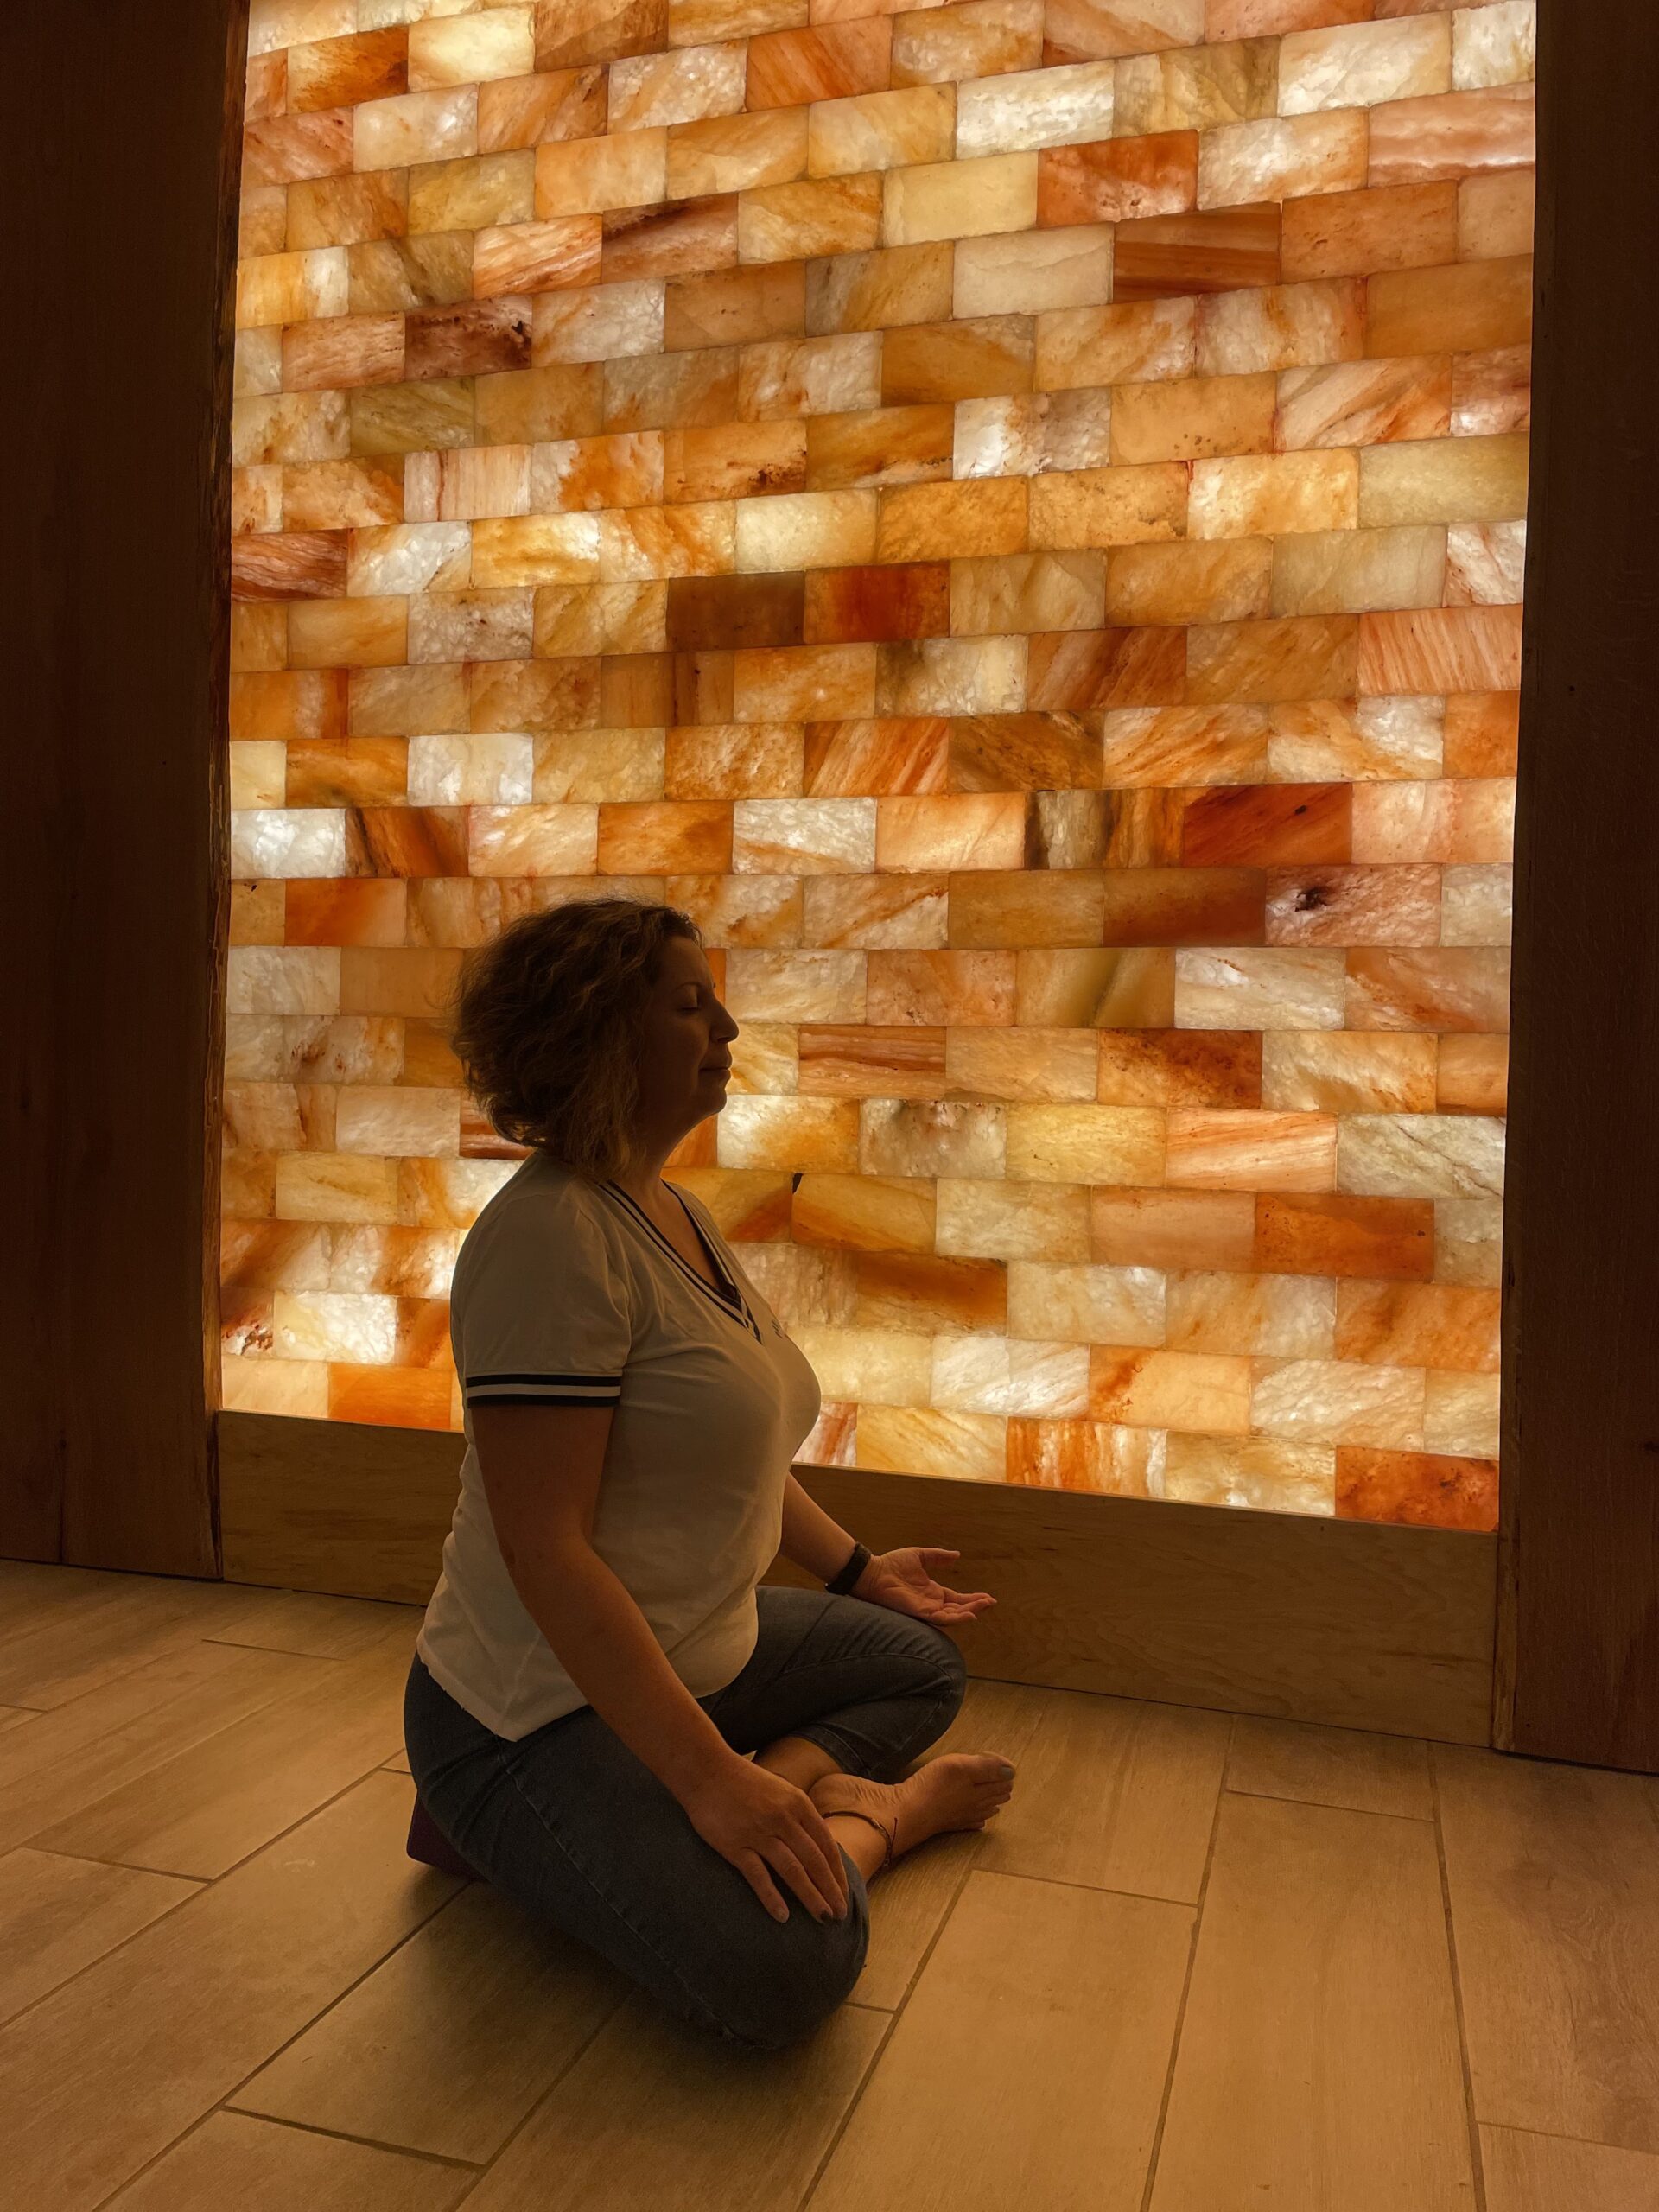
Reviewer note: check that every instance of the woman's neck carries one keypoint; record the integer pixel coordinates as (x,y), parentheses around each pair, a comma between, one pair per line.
(643,1177)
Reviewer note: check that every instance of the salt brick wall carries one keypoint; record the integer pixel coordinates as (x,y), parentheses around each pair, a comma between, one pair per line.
(1012,515)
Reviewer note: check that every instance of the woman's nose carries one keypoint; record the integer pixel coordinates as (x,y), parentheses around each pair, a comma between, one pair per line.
(724,1027)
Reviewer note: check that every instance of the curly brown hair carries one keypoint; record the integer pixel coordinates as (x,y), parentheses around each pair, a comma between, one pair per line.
(545,1020)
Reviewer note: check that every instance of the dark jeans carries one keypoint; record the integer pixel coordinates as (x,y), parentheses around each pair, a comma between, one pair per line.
(578,1831)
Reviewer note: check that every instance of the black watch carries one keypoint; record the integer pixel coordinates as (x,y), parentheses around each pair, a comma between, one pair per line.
(849,1573)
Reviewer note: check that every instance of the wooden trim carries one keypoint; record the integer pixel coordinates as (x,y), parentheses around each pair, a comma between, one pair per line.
(125,119)
(1577,1671)
(1343,1621)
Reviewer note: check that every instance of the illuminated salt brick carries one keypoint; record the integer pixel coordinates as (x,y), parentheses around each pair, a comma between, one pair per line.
(348,633)
(950,676)
(413,127)
(559,696)
(806,530)
(1030,272)
(324,72)
(889,445)
(809,375)
(1454,135)
(1073,1304)
(636,543)
(1269,494)
(1085,508)
(490,769)
(1179,1068)
(531,840)
(1227,581)
(1007,1220)
(1282,158)
(1356,233)
(1494,45)
(432,270)
(1260,1473)
(1441,649)
(570,475)
(478,625)
(1359,65)
(1424,1489)
(557,104)
(1283,326)
(1143,341)
(409,556)
(951,362)
(977,830)
(466,195)
(1341,1235)
(862,1061)
(1025,434)
(262,220)
(981,38)
(588,175)
(1451,821)
(1355,571)
(1053,756)
(1449,987)
(600,618)
(1117,988)
(535,549)
(1163,747)
(1117,179)
(583,765)
(284,148)
(1265,989)
(732,152)
(1171,1229)
(257,369)
(1481,740)
(1121,1145)
(1461,1414)
(399,702)
(678,87)
(259,635)
(750,1205)
(1077,30)
(923,1291)
(1471,307)
(811,1288)
(1213,249)
(1443,480)
(1205,1392)
(878,290)
(727,307)
(788,222)
(734,760)
(343,211)
(1364,403)
(923,1440)
(1022,592)
(1249,1150)
(791,837)
(998,912)
(1195,88)
(598,322)
(301,707)
(292,565)
(1418,1324)
(1086,1456)
(797,1134)
(597,31)
(1336,1401)
(1420,1155)
(864,1213)
(920,522)
(536,257)
(465,50)
(1041,107)
(1354,906)
(1192,419)
(959,198)
(1293,657)
(1382,738)
(1491,392)
(1044,1066)
(876,603)
(1485,562)
(993,1374)
(875,911)
(949,1137)
(679,239)
(880,130)
(872,1366)
(708,614)
(1476,905)
(804,683)
(1263,1316)
(788,69)
(1495,215)
(942,987)
(1468,1241)
(284,288)
(1077,670)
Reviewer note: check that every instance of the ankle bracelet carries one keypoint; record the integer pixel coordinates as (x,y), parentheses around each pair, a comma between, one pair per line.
(845,1812)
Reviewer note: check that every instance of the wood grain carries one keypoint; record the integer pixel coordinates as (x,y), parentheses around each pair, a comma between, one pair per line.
(257,2167)
(57,1915)
(1543,2173)
(1331,1766)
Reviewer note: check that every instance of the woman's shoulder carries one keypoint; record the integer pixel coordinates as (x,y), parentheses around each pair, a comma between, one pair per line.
(543,1206)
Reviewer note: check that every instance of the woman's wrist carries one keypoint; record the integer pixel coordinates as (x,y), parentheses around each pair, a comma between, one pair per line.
(851,1571)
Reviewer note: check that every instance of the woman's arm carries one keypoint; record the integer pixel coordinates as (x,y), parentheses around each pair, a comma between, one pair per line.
(811,1538)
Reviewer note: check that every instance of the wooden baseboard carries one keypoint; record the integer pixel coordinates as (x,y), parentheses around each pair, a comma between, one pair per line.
(1341,1622)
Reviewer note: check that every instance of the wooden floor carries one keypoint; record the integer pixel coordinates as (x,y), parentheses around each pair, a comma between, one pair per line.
(1199,1964)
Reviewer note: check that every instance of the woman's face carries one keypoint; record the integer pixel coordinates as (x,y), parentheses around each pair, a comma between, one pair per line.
(686,1061)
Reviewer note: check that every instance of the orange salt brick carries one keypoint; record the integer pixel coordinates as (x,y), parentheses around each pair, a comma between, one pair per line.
(733,307)
(993,909)
(637,691)
(735,462)
(1043,1066)
(653,836)
(1482,730)
(259,635)
(699,1148)
(536,257)
(348,633)
(469,339)
(1089,1456)
(1247,1150)
(407,702)
(1225,580)
(720,611)
(959,45)
(1019,593)
(922,522)
(1354,906)
(1468,308)
(1491,392)
(1172,1228)
(296,706)
(929,1293)
(1423,1489)
(289,565)
(1364,403)
(339,71)
(705,686)
(1086,346)
(980,358)
(285,148)
(1022,752)
(1495,215)
(1296,658)
(599,30)
(1418,1324)
(791,222)
(1451,986)
(521,695)
(1077,669)
(1267,825)
(1085,508)
(853,912)
(1180,1067)
(923,1440)
(803,683)
(1441,649)
(343,350)
(1281,326)
(742,760)
(526,406)
(1192,419)
(942,988)
(1473,1079)
(1452,134)
(1353,233)
(1334,1071)
(1328,1234)
(1221,249)
(344,210)
(680,238)
(266,91)
(871,1062)
(1112,180)
(1117,988)
(518,111)
(843,605)
(790,68)
(341,912)
(671,393)
(1090,31)
(877,290)
(883,445)
(1202,1393)
(750,1205)
(1182,906)
(977,829)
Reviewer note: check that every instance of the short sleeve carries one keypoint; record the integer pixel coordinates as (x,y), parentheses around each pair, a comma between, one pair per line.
(542,1310)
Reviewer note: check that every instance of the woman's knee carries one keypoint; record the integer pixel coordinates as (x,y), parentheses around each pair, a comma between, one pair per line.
(782,1987)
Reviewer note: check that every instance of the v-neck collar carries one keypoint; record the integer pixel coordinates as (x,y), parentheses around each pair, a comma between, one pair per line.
(736,1306)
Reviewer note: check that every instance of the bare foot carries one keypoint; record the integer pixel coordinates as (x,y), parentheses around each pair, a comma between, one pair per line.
(962,1789)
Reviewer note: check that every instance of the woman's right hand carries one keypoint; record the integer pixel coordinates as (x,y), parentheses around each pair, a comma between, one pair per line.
(759,1821)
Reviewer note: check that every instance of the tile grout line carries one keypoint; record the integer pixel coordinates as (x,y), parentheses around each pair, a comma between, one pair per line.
(1477,2165)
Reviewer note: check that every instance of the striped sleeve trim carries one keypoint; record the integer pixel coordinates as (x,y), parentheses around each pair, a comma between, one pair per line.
(542,1389)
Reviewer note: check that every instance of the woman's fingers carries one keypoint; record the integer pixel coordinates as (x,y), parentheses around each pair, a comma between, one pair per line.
(830,1851)
(820,1902)
(754,1873)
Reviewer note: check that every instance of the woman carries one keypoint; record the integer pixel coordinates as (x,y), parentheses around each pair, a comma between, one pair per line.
(598,1660)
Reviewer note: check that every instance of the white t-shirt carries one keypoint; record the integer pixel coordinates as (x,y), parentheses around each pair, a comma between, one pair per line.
(566,1292)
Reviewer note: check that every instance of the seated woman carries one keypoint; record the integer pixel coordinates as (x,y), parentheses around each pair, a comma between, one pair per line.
(598,1659)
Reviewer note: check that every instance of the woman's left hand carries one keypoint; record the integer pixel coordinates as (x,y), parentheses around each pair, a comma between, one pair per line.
(903,1581)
